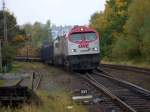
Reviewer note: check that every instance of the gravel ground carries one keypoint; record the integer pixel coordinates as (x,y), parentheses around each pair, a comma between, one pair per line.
(140,79)
(55,78)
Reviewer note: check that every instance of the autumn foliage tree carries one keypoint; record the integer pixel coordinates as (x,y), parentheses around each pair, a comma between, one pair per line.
(124,28)
(35,36)
(12,27)
(110,23)
(13,33)
(138,29)
(38,32)
(134,44)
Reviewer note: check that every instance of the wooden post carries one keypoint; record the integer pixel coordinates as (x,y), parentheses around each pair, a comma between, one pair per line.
(33,77)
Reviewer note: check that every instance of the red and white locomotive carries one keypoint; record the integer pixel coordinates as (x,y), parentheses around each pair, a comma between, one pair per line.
(77,50)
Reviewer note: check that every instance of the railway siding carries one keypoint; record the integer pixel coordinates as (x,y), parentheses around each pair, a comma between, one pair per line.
(133,97)
(127,68)
(137,77)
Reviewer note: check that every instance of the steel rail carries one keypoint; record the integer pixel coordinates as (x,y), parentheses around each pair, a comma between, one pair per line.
(107,92)
(24,58)
(129,68)
(128,84)
(38,81)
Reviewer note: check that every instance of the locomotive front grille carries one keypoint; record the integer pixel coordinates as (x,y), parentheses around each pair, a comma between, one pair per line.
(84,61)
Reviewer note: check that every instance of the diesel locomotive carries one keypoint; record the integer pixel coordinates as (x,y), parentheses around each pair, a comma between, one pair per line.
(77,50)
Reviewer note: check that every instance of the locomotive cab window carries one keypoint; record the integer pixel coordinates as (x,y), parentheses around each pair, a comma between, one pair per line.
(76,37)
(83,36)
(90,36)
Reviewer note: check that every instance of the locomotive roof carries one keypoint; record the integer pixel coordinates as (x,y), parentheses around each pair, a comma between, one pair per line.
(76,29)
(80,29)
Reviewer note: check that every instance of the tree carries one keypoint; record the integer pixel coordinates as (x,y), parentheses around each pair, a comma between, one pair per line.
(12,27)
(39,32)
(8,54)
(110,24)
(138,29)
(15,36)
(20,38)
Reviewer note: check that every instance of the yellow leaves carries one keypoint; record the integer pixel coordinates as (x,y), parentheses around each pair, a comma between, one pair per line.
(99,22)
(108,11)
(120,3)
(122,13)
(116,34)
(20,38)
(103,23)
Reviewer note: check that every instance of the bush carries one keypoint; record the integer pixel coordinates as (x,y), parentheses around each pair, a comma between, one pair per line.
(8,54)
(120,49)
(145,48)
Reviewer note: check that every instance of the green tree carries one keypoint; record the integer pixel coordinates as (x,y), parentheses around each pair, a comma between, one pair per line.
(13,31)
(110,24)
(8,54)
(11,25)
(138,29)
(39,32)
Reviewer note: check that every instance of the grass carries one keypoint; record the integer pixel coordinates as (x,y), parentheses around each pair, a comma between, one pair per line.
(54,101)
(2,82)
(18,66)
(15,67)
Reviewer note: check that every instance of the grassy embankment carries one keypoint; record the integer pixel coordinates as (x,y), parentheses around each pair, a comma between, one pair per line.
(58,100)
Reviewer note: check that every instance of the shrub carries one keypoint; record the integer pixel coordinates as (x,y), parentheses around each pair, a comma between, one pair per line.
(120,49)
(8,54)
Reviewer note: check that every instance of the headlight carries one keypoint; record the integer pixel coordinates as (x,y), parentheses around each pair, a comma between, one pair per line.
(81,29)
(73,50)
(95,49)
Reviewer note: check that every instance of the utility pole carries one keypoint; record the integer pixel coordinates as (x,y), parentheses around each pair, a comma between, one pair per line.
(5,36)
(5,23)
(1,68)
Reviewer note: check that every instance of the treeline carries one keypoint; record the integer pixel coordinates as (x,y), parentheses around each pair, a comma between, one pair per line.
(21,37)
(8,49)
(38,32)
(124,28)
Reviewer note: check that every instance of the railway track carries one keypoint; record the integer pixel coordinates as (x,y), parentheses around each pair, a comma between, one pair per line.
(128,68)
(28,58)
(37,81)
(129,97)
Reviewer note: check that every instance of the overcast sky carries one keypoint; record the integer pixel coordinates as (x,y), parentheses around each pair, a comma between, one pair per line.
(60,12)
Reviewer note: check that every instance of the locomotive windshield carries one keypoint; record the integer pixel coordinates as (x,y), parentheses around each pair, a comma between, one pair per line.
(83,36)
(90,36)
(76,37)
